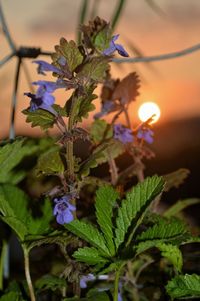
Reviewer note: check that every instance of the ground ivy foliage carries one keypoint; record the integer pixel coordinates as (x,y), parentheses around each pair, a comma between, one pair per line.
(103,253)
(106,242)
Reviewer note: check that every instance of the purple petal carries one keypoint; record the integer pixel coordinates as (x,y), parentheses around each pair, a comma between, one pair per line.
(60,219)
(120,49)
(122,134)
(49,86)
(68,216)
(62,61)
(44,66)
(115,37)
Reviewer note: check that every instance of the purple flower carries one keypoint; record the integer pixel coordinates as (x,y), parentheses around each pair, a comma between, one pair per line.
(86,278)
(48,86)
(62,61)
(145,134)
(44,66)
(44,102)
(115,47)
(63,210)
(119,297)
(122,133)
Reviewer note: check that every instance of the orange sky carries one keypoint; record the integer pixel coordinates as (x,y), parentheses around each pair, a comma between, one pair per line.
(173,84)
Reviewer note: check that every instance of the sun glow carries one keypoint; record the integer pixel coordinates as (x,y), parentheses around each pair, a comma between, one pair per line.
(148,110)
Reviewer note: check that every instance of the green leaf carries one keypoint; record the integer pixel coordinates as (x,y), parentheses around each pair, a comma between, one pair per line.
(90,234)
(166,230)
(100,130)
(50,162)
(97,296)
(172,253)
(71,52)
(11,155)
(89,255)
(40,225)
(12,296)
(114,149)
(102,39)
(183,286)
(85,105)
(13,207)
(180,205)
(51,282)
(106,198)
(94,70)
(132,211)
(41,118)
(17,225)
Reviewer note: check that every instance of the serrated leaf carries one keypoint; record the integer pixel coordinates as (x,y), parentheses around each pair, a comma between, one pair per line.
(50,163)
(175,179)
(41,118)
(106,197)
(11,155)
(127,89)
(50,282)
(90,234)
(89,255)
(183,286)
(85,106)
(102,39)
(179,206)
(172,253)
(166,230)
(94,70)
(132,211)
(100,130)
(71,52)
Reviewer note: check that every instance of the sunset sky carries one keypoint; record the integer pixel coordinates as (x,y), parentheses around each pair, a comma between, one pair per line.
(173,84)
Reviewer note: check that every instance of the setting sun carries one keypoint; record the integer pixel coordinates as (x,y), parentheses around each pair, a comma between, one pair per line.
(147,110)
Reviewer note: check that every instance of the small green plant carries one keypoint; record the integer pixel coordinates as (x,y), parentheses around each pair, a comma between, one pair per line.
(106,235)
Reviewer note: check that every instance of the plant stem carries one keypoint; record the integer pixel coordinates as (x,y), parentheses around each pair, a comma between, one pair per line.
(113,168)
(71,122)
(27,273)
(116,283)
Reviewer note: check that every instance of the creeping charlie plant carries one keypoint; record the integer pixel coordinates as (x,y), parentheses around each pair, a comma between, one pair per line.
(108,241)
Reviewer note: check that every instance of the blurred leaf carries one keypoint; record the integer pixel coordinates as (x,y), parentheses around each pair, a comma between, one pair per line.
(51,282)
(172,253)
(41,118)
(12,296)
(105,200)
(40,225)
(127,89)
(11,155)
(50,162)
(179,206)
(176,178)
(184,286)
(134,206)
(100,130)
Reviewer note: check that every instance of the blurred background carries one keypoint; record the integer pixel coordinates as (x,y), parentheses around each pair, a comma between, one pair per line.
(146,28)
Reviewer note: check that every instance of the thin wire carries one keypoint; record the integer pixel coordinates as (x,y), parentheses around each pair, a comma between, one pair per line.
(6,59)
(160,57)
(6,31)
(14,100)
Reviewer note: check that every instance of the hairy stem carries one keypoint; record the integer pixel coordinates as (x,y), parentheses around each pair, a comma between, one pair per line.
(71,122)
(27,274)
